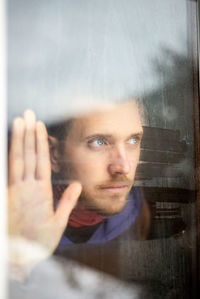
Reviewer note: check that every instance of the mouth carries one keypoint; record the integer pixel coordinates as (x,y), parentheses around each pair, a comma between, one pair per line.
(118,188)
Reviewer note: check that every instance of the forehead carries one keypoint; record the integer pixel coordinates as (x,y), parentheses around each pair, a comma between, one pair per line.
(123,119)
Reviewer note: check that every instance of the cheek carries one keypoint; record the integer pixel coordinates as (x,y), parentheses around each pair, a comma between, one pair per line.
(133,156)
(137,156)
(86,167)
(134,160)
(93,168)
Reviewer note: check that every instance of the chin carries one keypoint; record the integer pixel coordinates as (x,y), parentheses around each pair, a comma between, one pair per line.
(110,212)
(107,206)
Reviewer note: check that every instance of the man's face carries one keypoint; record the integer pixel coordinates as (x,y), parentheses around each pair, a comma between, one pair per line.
(102,151)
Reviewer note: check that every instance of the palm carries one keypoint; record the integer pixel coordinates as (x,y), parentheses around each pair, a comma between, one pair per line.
(30,199)
(30,202)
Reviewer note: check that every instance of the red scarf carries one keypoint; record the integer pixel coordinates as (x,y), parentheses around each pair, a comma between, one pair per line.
(79,216)
(82,217)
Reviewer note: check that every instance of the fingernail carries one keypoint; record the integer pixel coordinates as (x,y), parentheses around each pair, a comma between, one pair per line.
(18,124)
(29,117)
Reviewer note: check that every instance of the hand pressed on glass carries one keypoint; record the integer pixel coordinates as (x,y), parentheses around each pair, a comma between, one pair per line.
(30,200)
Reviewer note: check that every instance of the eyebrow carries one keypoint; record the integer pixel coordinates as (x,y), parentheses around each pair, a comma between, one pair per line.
(98,135)
(138,134)
(101,135)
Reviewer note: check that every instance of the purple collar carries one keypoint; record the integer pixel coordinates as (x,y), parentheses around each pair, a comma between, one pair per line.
(113,226)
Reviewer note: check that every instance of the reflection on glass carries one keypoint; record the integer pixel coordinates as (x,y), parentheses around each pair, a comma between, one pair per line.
(101,146)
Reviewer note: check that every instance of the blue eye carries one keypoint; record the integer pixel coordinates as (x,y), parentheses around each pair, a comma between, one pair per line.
(96,143)
(133,140)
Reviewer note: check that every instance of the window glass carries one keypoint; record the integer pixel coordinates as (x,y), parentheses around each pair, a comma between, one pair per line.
(112,82)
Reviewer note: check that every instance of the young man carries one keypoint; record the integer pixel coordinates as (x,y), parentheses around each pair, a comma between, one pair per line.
(95,159)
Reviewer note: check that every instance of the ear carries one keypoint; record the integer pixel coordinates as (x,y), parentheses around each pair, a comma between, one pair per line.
(54,154)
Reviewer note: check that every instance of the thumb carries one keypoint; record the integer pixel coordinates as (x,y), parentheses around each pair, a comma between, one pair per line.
(67,203)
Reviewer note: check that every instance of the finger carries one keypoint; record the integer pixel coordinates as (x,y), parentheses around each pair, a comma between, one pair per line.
(67,203)
(16,155)
(43,165)
(29,145)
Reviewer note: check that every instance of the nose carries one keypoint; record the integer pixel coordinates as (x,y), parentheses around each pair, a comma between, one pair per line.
(119,162)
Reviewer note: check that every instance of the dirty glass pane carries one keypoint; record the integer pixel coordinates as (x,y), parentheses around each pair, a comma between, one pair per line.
(113,84)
